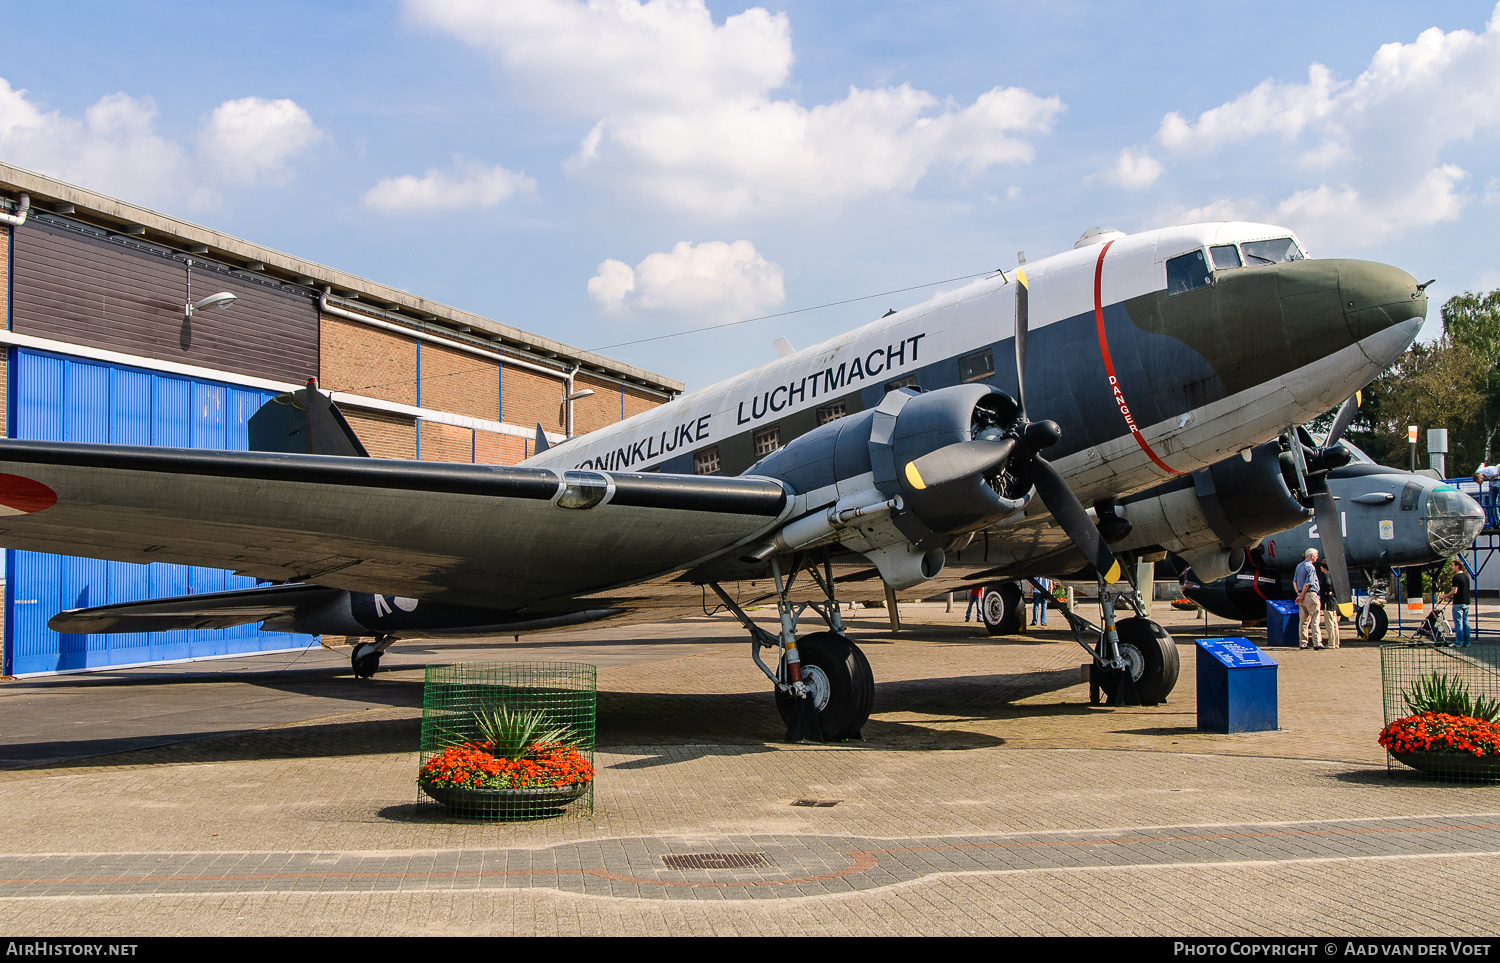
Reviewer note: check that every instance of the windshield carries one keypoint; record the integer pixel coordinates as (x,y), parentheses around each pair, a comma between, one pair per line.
(1273,251)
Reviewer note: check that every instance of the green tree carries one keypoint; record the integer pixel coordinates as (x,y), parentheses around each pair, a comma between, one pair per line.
(1473,320)
(1442,384)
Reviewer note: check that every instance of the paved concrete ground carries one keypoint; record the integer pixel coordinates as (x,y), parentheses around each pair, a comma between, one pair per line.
(276,795)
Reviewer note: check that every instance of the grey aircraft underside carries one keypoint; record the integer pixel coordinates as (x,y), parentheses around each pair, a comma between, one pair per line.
(908,453)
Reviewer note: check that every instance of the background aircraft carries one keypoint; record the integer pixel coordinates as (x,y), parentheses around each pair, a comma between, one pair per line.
(902,454)
(1389,519)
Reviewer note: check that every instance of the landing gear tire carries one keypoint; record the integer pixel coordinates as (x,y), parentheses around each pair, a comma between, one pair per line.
(1372,624)
(1152,658)
(365,660)
(1003,609)
(840,683)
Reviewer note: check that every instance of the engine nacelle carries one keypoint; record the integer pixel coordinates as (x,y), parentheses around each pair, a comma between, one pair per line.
(1212,517)
(905,426)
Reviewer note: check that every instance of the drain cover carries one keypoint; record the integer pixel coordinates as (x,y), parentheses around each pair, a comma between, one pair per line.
(819,803)
(714,860)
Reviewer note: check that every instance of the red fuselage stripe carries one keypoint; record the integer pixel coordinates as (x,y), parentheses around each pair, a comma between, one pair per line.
(1109,366)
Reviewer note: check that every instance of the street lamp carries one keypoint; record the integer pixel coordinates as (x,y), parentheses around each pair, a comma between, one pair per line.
(221,301)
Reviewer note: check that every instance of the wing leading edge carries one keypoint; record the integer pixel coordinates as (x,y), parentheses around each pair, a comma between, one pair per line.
(496,536)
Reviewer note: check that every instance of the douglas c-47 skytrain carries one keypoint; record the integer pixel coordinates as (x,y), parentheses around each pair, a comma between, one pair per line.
(954,443)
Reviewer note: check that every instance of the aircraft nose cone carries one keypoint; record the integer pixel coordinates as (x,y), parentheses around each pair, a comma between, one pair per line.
(1383,306)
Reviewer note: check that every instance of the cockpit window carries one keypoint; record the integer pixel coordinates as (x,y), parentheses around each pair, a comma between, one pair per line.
(1226,256)
(1273,251)
(1187,272)
(1411,493)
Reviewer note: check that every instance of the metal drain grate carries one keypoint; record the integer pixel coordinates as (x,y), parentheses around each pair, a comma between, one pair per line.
(714,861)
(818,803)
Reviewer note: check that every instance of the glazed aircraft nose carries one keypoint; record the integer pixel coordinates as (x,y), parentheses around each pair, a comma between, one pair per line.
(1383,307)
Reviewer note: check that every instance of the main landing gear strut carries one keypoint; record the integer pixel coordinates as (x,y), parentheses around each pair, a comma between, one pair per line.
(824,686)
(1135,659)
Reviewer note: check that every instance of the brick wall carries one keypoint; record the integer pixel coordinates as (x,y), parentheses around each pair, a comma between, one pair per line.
(597,411)
(384,435)
(494,449)
(531,398)
(364,360)
(446,442)
(461,383)
(367,361)
(639,401)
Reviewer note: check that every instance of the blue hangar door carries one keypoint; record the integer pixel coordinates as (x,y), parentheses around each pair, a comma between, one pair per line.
(59,398)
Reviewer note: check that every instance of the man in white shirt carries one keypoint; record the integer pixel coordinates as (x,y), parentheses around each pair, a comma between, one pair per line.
(1305,580)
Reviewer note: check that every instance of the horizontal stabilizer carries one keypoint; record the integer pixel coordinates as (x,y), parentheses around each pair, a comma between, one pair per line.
(210,610)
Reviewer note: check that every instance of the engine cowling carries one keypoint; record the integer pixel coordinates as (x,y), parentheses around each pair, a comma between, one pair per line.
(906,426)
(1211,517)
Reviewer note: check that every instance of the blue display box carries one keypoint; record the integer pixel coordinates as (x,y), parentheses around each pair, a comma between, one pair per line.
(1236,687)
(1282,621)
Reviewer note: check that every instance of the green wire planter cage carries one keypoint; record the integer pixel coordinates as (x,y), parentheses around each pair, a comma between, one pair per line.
(509,740)
(1442,710)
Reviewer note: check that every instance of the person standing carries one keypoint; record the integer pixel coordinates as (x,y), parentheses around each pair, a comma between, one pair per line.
(1330,605)
(1041,591)
(1305,580)
(976,601)
(1459,594)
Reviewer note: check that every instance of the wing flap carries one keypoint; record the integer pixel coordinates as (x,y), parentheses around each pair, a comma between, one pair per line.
(209,610)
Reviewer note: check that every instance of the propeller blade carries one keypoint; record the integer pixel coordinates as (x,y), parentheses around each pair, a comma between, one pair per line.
(1346,415)
(958,461)
(1331,531)
(1070,514)
(1023,323)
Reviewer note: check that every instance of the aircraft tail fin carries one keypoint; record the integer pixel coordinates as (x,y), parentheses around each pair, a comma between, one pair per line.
(304,422)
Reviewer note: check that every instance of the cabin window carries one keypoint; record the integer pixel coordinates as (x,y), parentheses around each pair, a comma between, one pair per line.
(767,440)
(1187,272)
(1225,256)
(1273,251)
(706,461)
(1409,496)
(910,381)
(831,412)
(981,364)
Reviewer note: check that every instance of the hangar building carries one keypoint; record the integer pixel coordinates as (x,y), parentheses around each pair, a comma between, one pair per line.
(105,342)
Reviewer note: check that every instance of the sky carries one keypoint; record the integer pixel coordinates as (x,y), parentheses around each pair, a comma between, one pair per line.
(610,172)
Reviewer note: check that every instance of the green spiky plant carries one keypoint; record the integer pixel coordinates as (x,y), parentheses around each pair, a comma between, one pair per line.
(1438,692)
(514,734)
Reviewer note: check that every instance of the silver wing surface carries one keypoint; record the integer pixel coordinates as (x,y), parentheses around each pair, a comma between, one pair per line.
(495,536)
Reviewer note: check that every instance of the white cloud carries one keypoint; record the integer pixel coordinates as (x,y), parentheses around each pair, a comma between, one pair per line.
(684,112)
(253,139)
(469,184)
(606,55)
(1378,138)
(1134,170)
(115,150)
(112,149)
(712,281)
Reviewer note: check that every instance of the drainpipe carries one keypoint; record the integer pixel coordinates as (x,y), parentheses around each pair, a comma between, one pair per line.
(19,217)
(568,401)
